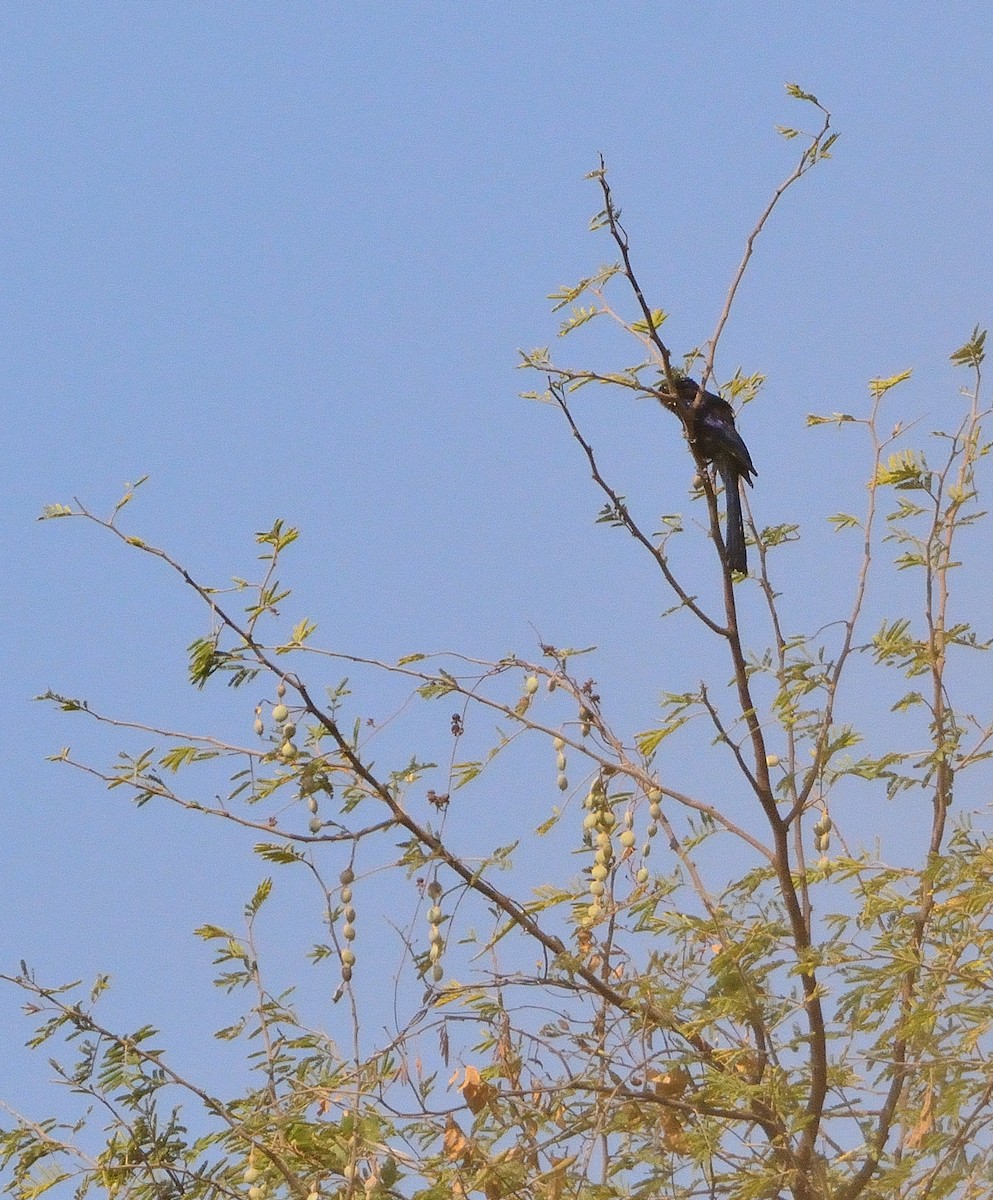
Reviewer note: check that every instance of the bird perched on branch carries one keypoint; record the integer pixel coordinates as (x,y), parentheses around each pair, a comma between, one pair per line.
(716,440)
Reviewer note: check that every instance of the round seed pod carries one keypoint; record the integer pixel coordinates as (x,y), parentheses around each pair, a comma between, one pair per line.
(280,713)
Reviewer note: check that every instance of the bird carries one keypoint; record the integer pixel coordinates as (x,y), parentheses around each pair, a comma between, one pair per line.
(716,440)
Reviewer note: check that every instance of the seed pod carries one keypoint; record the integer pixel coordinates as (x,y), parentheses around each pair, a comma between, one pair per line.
(655,796)
(655,810)
(434,889)
(642,875)
(437,972)
(560,761)
(314,824)
(349,914)
(280,689)
(346,877)
(531,685)
(627,839)
(559,745)
(598,871)
(348,957)
(435,915)
(348,933)
(258,726)
(280,713)
(563,782)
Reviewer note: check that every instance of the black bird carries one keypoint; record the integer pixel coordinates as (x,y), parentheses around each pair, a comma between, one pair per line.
(717,441)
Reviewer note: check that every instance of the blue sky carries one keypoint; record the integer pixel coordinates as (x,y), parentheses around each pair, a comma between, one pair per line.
(281,257)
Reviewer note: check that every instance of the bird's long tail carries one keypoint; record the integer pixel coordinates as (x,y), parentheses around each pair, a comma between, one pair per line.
(734,538)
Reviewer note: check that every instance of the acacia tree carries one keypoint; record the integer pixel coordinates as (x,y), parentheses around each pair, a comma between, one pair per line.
(669,1017)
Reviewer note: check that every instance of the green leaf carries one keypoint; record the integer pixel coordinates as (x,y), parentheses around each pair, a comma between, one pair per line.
(210,932)
(579,316)
(906,469)
(879,387)
(973,352)
(833,419)
(277,853)
(262,894)
(794,90)
(844,521)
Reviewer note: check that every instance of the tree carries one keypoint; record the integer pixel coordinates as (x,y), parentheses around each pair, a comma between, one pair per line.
(661,1014)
